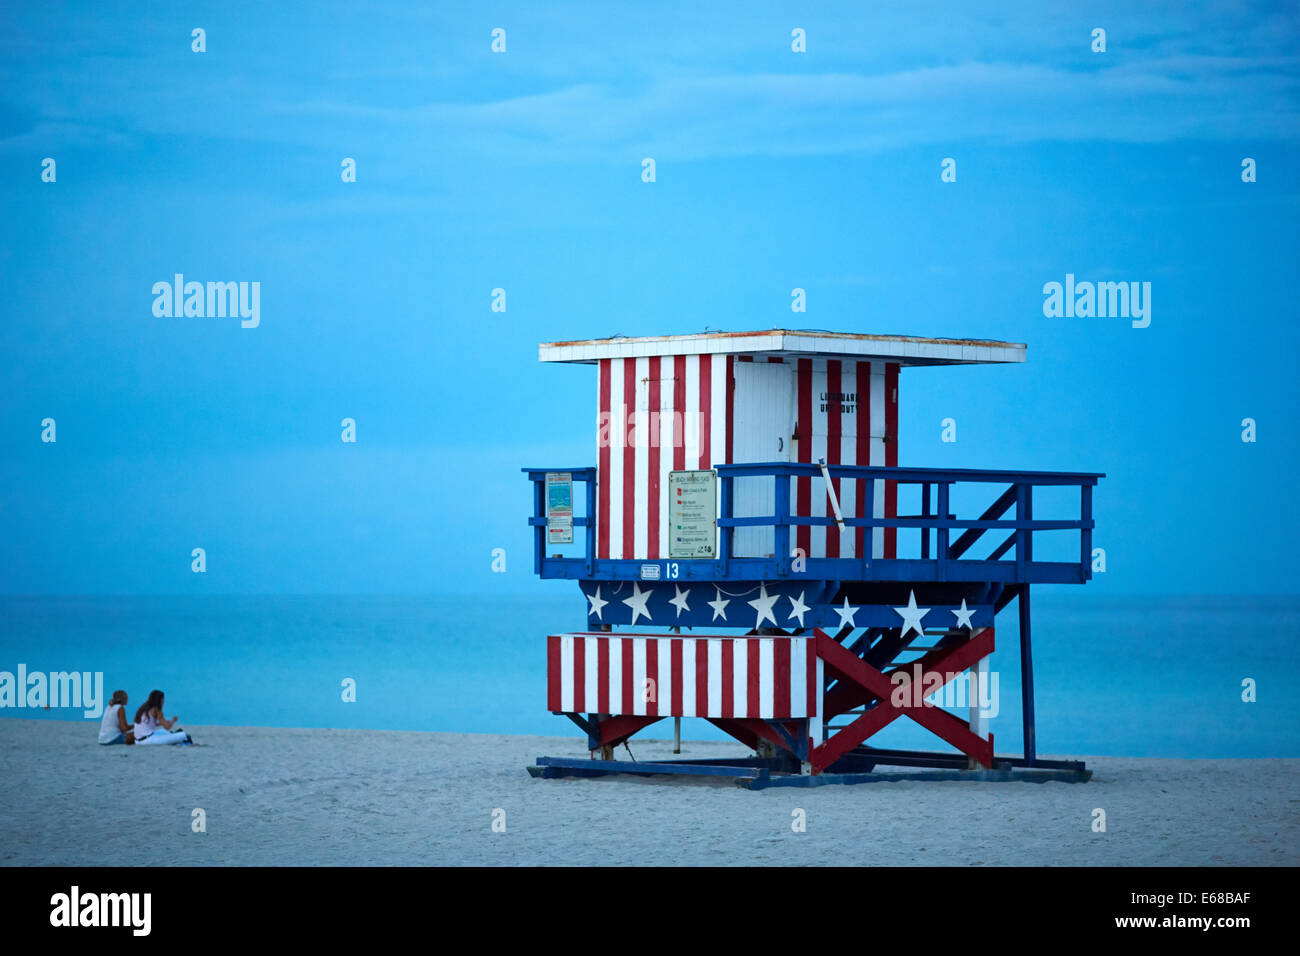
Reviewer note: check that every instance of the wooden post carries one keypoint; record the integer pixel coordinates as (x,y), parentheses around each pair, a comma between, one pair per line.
(977,688)
(1026,678)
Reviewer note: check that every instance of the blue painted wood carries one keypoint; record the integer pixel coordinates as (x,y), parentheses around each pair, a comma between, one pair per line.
(539,537)
(945,563)
(993,512)
(814,594)
(589,521)
(941,525)
(825,569)
(782,533)
(1004,547)
(761,777)
(925,758)
(579,474)
(1022,533)
(925,514)
(1026,677)
(586,726)
(593,732)
(1085,539)
(929,776)
(905,475)
(782,762)
(727,534)
(636,767)
(798,745)
(818,596)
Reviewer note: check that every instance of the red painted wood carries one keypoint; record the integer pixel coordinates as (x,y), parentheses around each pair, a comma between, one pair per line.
(781,688)
(728,686)
(814,689)
(605,437)
(846,694)
(675,668)
(652,459)
(679,405)
(834,432)
(706,411)
(602,677)
(628,689)
(629,461)
(580,703)
(864,536)
(938,721)
(614,730)
(891,455)
(803,486)
(553,674)
(731,408)
(702,703)
(652,674)
(735,729)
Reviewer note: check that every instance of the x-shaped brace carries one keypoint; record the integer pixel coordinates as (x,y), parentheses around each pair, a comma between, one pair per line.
(944,666)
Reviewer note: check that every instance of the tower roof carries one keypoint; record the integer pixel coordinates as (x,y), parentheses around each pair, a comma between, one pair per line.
(799,343)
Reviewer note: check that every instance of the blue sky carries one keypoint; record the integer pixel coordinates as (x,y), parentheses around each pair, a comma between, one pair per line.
(522,170)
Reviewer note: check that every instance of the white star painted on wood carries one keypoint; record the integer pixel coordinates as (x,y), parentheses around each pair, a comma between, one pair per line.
(847,613)
(637,602)
(680,600)
(963,616)
(720,605)
(912,614)
(597,605)
(762,605)
(798,608)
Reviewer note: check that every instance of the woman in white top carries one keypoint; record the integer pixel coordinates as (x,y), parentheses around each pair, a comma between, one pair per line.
(114,729)
(152,727)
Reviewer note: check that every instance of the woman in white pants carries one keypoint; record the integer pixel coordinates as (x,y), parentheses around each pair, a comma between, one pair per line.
(151,727)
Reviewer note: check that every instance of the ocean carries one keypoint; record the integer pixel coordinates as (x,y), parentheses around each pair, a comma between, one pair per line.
(1131,677)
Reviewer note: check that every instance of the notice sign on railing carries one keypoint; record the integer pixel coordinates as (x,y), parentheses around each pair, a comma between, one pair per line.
(559,507)
(693,510)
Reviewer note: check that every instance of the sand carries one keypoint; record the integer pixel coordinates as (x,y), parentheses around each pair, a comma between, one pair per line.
(304,797)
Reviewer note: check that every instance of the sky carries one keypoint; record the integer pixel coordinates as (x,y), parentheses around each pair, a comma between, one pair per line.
(522,170)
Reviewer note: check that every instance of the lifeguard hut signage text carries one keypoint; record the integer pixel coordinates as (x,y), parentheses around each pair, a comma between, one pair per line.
(693,497)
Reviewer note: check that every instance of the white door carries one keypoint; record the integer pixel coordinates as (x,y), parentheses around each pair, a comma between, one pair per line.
(763,423)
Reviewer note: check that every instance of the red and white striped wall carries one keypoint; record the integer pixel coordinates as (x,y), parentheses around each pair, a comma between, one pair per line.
(671,676)
(658,414)
(847,413)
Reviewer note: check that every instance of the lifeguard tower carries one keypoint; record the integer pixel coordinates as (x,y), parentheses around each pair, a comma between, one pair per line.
(744,559)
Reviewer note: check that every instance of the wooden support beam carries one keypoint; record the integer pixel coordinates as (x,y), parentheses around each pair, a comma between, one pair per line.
(992,513)
(938,721)
(733,728)
(614,730)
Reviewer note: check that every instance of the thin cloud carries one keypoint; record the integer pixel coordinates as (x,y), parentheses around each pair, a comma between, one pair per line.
(1186,97)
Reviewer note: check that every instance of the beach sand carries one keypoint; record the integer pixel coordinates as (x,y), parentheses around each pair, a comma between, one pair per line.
(293,797)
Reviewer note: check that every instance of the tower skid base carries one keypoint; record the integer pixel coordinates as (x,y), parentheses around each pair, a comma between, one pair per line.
(759,773)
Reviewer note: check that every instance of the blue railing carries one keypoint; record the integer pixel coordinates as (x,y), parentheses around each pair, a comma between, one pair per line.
(944,539)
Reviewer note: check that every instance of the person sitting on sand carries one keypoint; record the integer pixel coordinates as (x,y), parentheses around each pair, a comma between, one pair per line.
(114,728)
(151,727)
